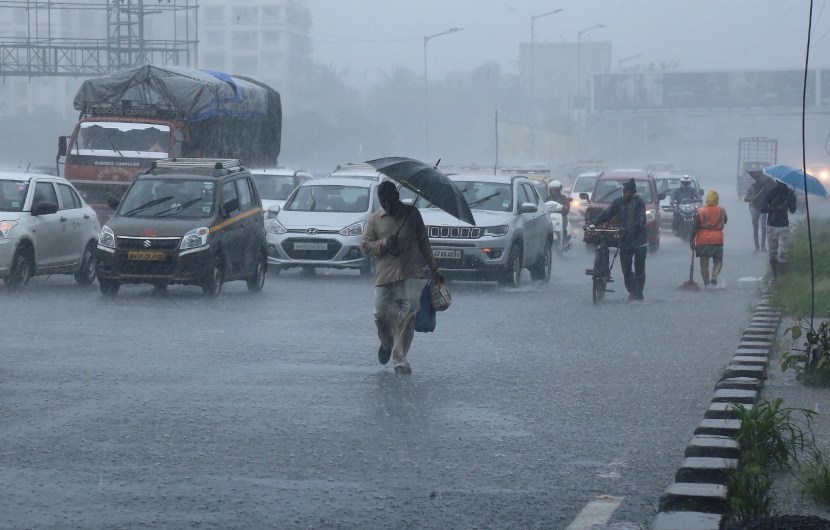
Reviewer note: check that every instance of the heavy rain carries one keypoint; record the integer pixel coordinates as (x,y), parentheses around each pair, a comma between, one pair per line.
(227,230)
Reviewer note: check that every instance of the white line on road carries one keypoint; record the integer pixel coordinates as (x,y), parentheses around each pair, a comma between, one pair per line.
(596,513)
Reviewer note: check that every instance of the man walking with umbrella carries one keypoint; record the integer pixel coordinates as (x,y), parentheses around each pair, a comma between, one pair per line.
(397,238)
(777,202)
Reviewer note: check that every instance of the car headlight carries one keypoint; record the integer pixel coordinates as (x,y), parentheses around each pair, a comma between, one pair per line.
(195,238)
(275,227)
(650,215)
(355,229)
(106,238)
(496,230)
(6,227)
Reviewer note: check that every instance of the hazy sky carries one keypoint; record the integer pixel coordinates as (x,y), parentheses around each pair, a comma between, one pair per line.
(369,36)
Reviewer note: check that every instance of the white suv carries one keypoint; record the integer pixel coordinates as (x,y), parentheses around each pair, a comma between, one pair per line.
(45,228)
(513,231)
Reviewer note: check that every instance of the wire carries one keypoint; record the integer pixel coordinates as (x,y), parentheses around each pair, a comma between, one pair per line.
(804,169)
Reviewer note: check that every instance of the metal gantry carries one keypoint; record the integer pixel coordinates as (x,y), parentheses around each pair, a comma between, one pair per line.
(43,53)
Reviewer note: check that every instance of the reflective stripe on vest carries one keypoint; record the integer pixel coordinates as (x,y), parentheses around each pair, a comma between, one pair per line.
(710,231)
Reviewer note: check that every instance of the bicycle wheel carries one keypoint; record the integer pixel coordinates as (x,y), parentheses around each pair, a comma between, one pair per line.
(600,273)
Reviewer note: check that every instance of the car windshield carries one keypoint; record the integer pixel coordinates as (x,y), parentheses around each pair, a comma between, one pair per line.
(13,195)
(329,198)
(609,189)
(180,198)
(494,196)
(134,140)
(584,184)
(667,185)
(275,187)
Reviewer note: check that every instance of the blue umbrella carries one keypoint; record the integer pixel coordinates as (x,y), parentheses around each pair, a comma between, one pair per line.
(794,177)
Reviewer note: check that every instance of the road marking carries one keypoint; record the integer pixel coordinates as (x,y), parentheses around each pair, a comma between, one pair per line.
(596,513)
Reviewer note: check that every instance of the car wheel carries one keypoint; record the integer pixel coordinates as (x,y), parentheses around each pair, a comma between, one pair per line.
(109,288)
(86,274)
(542,269)
(257,281)
(512,276)
(21,269)
(212,287)
(369,270)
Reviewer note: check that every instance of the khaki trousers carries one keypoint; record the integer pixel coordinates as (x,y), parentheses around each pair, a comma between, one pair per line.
(395,307)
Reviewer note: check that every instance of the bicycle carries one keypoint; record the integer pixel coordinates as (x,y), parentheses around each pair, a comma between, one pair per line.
(603,238)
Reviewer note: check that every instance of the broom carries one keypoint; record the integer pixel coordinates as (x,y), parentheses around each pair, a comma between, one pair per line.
(690,285)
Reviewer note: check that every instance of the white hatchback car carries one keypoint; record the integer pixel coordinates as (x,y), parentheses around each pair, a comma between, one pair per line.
(322,226)
(45,228)
(275,185)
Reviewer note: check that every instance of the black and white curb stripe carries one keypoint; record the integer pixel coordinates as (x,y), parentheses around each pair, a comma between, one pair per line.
(697,499)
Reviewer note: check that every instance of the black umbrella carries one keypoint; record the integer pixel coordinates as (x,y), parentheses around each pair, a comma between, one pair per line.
(426,181)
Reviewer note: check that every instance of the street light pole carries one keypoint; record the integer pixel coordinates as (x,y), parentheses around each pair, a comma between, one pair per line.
(626,59)
(579,56)
(533,51)
(427,38)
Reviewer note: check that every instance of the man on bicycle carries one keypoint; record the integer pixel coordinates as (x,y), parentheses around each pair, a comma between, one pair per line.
(630,213)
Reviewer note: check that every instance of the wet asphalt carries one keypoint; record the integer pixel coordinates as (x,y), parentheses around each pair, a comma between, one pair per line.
(271,411)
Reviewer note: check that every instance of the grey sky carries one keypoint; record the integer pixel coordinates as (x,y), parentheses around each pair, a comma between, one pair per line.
(369,36)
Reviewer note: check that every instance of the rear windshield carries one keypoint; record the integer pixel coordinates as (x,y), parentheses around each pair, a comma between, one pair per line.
(275,187)
(329,198)
(178,198)
(584,184)
(13,195)
(608,190)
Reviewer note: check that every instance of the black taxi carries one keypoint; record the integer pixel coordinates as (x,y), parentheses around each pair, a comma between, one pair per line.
(191,221)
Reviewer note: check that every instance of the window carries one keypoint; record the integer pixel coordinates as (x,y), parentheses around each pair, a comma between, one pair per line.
(271,13)
(244,40)
(522,194)
(245,198)
(244,15)
(214,14)
(215,38)
(270,38)
(246,65)
(44,192)
(228,194)
(69,198)
(531,193)
(214,60)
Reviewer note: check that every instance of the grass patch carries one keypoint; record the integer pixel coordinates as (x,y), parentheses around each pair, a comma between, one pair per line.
(792,291)
(816,478)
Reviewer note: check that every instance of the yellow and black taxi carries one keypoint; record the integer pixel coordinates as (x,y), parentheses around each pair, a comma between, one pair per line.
(185,221)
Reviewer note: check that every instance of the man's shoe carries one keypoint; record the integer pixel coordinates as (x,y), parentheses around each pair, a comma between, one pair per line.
(384,354)
(714,282)
(632,297)
(403,369)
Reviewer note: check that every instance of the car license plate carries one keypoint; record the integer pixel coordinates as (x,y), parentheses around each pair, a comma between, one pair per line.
(447,254)
(310,246)
(145,255)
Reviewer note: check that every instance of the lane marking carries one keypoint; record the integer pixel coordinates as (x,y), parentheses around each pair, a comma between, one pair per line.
(596,513)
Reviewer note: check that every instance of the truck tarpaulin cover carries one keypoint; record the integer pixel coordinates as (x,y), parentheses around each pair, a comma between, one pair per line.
(189,94)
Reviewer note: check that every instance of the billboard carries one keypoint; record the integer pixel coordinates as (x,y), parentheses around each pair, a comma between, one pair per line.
(699,90)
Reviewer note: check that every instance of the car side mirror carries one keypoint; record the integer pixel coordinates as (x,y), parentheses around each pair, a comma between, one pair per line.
(62,142)
(272,211)
(584,196)
(661,196)
(112,202)
(44,208)
(528,207)
(230,205)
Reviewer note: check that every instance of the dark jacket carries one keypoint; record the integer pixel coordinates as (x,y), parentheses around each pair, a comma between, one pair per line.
(756,192)
(631,217)
(777,201)
(684,192)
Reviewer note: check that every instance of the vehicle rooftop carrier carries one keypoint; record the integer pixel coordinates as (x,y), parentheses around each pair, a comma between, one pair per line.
(228,164)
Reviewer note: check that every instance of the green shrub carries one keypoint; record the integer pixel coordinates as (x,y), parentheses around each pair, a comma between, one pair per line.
(812,362)
(771,436)
(792,291)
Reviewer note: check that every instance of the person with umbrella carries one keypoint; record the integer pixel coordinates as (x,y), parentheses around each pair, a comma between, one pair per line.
(777,202)
(396,236)
(755,196)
